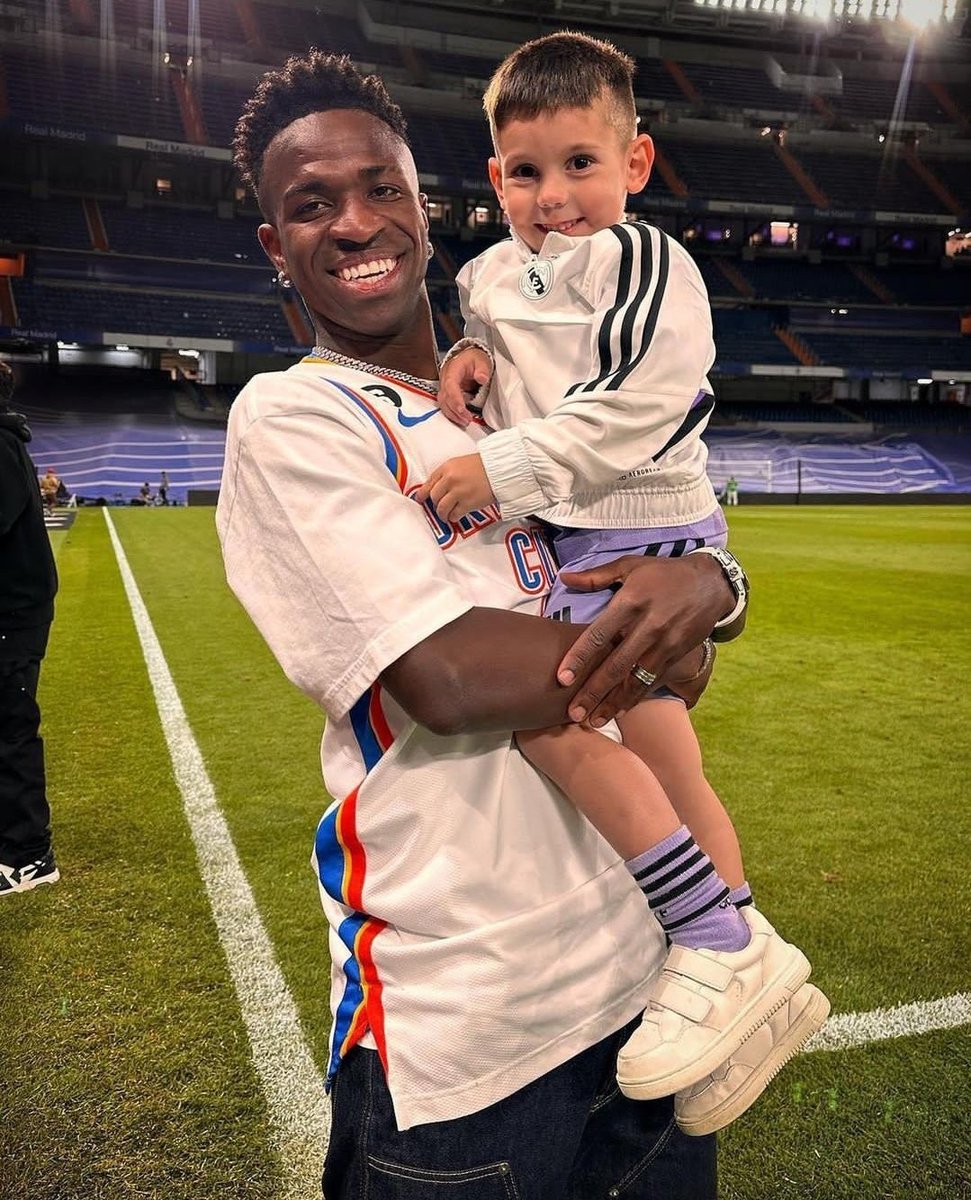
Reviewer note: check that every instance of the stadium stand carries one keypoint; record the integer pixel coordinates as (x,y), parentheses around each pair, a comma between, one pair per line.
(132,246)
(32,221)
(135,100)
(180,233)
(732,171)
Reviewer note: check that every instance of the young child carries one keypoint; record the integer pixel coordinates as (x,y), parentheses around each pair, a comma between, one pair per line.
(594,338)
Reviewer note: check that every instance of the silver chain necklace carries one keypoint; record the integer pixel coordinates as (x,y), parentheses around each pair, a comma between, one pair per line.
(355,364)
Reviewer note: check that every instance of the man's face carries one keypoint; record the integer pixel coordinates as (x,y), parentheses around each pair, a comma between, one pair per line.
(347,223)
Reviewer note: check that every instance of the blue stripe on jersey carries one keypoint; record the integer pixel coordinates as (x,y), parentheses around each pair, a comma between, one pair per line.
(391,459)
(367,740)
(330,856)
(353,996)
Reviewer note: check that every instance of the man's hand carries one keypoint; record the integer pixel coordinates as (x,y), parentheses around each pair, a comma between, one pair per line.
(459,382)
(457,487)
(664,610)
(687,678)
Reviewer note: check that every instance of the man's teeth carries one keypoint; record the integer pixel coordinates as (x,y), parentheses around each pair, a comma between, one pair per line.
(370,270)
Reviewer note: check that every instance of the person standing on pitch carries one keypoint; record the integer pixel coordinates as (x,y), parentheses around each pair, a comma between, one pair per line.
(731,491)
(599,333)
(28,584)
(477,992)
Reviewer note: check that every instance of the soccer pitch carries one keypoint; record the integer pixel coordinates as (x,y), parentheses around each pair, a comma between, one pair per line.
(836,731)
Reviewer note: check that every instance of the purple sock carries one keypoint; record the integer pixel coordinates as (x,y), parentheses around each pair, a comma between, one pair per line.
(742,895)
(688,896)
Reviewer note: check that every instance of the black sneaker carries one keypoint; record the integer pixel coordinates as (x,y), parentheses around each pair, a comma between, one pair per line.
(31,875)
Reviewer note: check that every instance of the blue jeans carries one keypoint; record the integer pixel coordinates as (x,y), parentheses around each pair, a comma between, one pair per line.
(570,1135)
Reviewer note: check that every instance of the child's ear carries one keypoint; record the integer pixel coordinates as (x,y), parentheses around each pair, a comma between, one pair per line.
(639,163)
(495,178)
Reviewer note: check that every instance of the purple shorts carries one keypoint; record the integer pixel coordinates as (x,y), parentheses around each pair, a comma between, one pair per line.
(581,549)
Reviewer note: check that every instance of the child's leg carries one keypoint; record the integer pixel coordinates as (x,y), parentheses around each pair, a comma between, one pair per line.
(620,796)
(613,788)
(661,734)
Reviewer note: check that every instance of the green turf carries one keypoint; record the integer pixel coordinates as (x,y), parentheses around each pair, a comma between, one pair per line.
(835,730)
(124,1063)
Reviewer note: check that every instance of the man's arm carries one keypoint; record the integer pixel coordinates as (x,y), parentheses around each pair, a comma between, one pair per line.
(489,669)
(492,669)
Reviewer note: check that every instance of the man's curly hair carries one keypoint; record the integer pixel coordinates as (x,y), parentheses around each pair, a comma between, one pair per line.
(306,83)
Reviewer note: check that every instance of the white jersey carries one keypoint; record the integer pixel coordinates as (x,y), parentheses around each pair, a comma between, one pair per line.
(482,932)
(602,348)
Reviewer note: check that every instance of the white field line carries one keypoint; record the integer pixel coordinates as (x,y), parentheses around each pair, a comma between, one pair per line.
(846,1030)
(294,1089)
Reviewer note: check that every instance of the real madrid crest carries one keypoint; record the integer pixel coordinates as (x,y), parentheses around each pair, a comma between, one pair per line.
(536,279)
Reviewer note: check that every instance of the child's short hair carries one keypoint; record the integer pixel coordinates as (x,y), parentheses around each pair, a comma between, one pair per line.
(562,70)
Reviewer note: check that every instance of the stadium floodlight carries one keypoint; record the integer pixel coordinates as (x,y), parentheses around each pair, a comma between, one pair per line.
(915,14)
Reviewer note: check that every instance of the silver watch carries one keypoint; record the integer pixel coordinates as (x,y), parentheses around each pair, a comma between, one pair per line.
(737,581)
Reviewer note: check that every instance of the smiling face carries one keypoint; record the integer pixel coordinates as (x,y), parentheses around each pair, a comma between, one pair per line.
(569,171)
(347,223)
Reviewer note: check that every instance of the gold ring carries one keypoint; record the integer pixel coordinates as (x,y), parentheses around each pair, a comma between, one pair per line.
(642,675)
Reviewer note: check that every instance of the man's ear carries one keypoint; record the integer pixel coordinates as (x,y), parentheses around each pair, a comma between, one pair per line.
(270,241)
(495,178)
(639,163)
(423,205)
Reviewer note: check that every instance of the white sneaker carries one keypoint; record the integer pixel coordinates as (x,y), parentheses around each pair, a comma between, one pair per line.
(734,1086)
(703,1005)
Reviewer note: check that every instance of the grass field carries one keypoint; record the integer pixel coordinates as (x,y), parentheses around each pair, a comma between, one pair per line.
(836,730)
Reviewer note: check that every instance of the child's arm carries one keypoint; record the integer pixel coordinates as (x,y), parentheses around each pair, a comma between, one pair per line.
(641,389)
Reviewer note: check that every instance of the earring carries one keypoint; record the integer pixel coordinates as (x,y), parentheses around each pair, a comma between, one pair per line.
(283,279)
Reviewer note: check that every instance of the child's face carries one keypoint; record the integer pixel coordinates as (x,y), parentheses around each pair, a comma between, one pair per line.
(568,171)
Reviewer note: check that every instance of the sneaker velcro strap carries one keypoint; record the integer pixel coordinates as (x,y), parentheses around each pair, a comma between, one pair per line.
(692,965)
(671,994)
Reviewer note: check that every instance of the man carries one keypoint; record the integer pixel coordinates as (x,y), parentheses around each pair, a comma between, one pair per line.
(28,583)
(478,994)
(48,488)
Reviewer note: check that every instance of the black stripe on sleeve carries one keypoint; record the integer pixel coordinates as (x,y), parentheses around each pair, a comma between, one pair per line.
(627,328)
(695,416)
(663,263)
(605,336)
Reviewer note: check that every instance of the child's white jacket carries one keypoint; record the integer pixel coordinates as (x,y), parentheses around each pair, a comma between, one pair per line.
(602,348)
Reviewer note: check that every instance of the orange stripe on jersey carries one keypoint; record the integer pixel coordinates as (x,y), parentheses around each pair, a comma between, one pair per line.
(373,986)
(354,857)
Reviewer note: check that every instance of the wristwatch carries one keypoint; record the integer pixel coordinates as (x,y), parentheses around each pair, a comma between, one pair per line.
(731,625)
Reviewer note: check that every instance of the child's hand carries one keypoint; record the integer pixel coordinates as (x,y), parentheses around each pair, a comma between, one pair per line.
(457,487)
(459,382)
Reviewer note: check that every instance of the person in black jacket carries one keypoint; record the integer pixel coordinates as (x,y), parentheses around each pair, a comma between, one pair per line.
(28,583)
